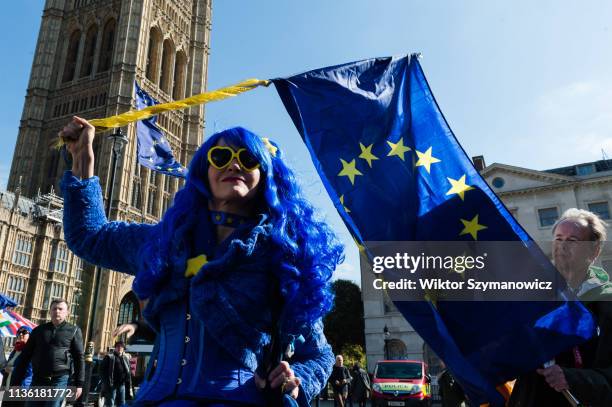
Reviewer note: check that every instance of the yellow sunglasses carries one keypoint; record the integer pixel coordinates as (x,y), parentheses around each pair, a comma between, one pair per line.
(221,157)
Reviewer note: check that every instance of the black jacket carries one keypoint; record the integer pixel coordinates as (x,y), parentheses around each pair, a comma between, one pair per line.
(591,384)
(108,369)
(340,374)
(52,350)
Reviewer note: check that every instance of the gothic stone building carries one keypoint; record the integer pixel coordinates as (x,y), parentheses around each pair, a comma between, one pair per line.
(88,55)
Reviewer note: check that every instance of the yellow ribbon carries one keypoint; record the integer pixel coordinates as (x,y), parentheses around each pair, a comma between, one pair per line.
(123,119)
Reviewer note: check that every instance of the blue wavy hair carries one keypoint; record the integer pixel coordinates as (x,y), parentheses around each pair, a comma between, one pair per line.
(309,250)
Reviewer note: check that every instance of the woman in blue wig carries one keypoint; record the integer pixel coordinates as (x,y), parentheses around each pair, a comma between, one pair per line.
(236,274)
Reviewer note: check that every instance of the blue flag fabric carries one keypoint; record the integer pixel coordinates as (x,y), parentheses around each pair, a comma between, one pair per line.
(6,302)
(396,172)
(154,151)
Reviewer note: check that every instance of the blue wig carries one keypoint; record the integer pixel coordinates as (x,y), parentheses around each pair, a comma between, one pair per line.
(307,249)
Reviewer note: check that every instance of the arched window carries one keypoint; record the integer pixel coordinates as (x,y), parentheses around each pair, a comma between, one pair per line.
(71,56)
(90,50)
(154,54)
(129,309)
(108,41)
(167,65)
(180,67)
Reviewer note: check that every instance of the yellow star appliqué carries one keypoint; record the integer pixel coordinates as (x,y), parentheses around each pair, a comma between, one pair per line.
(471,227)
(195,264)
(426,159)
(347,210)
(271,148)
(349,170)
(366,154)
(459,187)
(398,149)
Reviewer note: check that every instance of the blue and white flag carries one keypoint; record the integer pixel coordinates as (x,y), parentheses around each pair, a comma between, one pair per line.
(154,151)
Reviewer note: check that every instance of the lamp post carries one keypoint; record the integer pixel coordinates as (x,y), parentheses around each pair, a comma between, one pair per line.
(119,141)
(386,334)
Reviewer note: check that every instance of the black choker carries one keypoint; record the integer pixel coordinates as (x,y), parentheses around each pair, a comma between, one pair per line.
(229,219)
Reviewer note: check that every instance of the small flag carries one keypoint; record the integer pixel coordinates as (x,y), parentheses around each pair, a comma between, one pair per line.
(154,151)
(6,302)
(11,321)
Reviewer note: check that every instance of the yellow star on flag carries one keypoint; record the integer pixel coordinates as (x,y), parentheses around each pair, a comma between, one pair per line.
(195,264)
(347,210)
(360,247)
(366,154)
(349,170)
(471,227)
(459,187)
(426,159)
(398,149)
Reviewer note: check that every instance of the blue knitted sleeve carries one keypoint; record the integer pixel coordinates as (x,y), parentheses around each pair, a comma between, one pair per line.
(113,245)
(312,363)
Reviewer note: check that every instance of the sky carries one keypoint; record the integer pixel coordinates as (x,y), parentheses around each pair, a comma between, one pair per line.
(526,83)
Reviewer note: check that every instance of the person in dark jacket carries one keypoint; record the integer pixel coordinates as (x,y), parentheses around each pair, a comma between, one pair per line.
(53,348)
(360,386)
(116,376)
(340,380)
(450,391)
(585,370)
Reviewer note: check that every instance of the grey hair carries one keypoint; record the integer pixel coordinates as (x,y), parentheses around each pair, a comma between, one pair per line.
(594,222)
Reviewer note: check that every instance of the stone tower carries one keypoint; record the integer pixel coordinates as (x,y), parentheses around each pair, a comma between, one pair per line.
(88,55)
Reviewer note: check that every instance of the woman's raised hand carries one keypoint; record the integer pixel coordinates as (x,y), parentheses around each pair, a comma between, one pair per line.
(127,329)
(78,136)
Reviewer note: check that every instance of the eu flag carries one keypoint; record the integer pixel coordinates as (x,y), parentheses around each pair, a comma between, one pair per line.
(6,302)
(396,172)
(154,151)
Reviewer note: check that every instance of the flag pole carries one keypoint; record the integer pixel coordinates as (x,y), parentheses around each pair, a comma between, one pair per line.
(566,393)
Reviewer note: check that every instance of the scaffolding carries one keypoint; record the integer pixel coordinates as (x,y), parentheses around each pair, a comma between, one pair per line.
(49,206)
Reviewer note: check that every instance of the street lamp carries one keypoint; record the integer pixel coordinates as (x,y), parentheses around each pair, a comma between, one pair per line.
(386,334)
(119,141)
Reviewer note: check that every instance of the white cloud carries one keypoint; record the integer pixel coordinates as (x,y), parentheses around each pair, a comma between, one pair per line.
(348,271)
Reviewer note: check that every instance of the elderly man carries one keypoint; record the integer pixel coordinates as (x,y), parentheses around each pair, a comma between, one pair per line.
(340,380)
(54,348)
(585,370)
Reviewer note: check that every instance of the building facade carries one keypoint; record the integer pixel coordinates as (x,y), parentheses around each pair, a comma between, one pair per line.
(35,261)
(536,199)
(88,55)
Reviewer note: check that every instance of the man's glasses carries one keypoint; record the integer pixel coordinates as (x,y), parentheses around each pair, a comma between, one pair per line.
(23,333)
(221,157)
